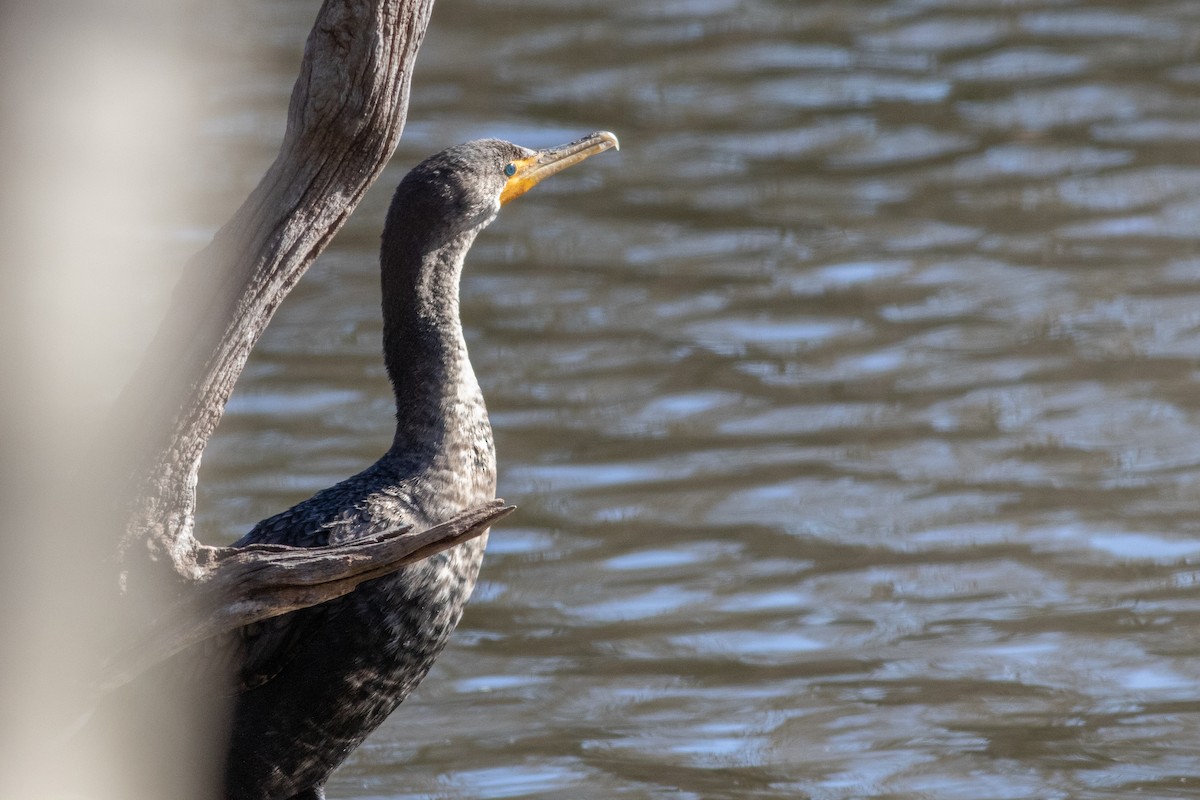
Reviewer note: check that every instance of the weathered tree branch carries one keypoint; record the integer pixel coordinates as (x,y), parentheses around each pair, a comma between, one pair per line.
(346,115)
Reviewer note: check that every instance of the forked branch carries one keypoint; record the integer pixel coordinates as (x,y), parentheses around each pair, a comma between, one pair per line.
(346,114)
(345,117)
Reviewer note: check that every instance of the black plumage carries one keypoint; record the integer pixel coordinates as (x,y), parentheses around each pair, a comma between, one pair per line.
(316,682)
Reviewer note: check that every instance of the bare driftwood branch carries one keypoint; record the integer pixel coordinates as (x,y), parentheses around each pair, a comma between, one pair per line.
(345,118)
(346,115)
(263,581)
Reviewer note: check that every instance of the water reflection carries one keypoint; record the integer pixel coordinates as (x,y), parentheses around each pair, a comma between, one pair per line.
(851,410)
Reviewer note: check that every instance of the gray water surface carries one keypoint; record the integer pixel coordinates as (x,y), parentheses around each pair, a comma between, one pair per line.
(851,409)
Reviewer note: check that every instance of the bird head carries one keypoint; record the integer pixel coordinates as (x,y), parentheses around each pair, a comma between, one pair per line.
(461,189)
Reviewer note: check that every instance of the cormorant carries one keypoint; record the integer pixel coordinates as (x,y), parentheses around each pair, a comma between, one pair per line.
(316,682)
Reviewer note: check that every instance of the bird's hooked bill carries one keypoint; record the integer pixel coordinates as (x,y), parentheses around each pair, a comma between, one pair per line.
(531,171)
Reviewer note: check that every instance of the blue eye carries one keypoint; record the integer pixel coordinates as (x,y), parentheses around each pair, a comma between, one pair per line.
(510,170)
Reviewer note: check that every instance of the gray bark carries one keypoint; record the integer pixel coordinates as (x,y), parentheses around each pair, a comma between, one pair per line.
(346,115)
(345,118)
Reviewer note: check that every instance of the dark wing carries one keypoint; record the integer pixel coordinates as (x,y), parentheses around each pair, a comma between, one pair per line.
(264,648)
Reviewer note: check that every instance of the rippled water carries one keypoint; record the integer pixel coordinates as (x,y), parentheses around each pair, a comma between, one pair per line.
(851,409)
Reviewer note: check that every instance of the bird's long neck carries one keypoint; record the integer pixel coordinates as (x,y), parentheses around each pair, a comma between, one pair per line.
(438,402)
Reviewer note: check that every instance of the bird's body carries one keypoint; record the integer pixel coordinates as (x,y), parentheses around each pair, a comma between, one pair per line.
(316,682)
(331,674)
